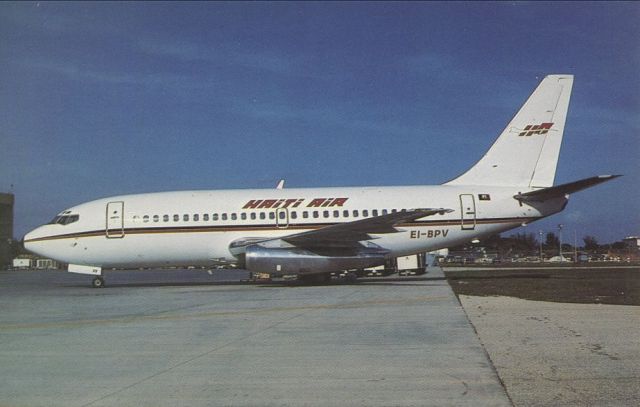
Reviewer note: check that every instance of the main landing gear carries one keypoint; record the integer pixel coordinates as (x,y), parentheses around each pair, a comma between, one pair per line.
(98,282)
(315,279)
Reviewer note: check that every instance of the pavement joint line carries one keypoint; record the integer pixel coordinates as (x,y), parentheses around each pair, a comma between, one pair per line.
(215,349)
(253,311)
(486,353)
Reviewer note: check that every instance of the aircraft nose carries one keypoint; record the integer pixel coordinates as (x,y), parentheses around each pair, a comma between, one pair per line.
(28,239)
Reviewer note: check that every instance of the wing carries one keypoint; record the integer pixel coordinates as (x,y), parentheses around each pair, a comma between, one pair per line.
(351,233)
(344,238)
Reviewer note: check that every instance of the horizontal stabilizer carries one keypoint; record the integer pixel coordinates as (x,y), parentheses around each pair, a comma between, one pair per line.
(564,189)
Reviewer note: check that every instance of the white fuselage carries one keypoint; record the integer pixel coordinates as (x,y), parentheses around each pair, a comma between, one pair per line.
(197,227)
(318,230)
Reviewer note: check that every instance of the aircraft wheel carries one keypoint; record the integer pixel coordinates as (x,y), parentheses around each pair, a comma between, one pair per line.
(351,277)
(98,282)
(315,279)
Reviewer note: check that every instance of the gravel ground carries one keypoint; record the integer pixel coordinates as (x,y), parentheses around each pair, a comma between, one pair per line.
(560,354)
(609,285)
(558,336)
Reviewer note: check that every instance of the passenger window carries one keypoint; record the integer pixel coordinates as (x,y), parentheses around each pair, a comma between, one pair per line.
(214,216)
(224,216)
(185,218)
(305,214)
(145,218)
(262,215)
(282,215)
(365,213)
(196,217)
(253,216)
(315,214)
(136,218)
(325,214)
(345,213)
(165,218)
(176,218)
(205,217)
(336,214)
(394,210)
(234,216)
(355,213)
(294,215)
(243,216)
(272,215)
(384,212)
(374,212)
(156,218)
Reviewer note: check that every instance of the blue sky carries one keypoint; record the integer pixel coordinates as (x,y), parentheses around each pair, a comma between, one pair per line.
(100,99)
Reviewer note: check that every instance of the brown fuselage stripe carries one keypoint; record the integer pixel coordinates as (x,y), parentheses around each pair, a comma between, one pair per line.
(225,228)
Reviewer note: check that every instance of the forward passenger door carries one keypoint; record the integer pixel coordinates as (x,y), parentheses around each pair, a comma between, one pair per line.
(114,228)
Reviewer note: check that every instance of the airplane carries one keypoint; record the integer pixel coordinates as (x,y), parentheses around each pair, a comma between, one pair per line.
(311,232)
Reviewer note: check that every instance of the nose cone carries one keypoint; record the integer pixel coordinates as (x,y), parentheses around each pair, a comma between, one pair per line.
(30,240)
(27,241)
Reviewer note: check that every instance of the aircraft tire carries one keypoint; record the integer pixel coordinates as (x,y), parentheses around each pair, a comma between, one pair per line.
(315,279)
(98,282)
(351,277)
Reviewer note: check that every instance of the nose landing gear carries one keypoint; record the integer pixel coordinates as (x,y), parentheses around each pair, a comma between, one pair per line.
(95,271)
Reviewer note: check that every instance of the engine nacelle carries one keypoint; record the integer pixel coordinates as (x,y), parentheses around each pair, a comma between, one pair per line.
(299,261)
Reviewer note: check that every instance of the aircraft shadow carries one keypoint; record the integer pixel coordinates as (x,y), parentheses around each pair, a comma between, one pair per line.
(406,281)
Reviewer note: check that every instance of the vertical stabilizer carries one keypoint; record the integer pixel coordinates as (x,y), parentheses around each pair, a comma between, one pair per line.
(526,153)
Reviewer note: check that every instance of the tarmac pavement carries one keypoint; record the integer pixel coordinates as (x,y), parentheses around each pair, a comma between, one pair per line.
(166,340)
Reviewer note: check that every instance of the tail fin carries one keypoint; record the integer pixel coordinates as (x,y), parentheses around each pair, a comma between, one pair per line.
(526,153)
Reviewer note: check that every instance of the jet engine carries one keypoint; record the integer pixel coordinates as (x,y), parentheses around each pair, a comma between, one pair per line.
(293,260)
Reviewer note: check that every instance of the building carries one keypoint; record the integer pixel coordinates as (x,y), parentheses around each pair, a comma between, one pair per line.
(632,242)
(6,228)
(633,248)
(46,264)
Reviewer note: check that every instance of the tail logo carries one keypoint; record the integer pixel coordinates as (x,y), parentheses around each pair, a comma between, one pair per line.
(532,129)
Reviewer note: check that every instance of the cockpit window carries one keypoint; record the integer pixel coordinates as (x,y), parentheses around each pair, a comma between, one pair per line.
(64,219)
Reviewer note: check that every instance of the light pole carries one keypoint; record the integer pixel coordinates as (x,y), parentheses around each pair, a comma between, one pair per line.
(560,240)
(540,232)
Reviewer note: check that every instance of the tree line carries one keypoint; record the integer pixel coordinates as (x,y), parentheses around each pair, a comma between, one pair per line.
(528,244)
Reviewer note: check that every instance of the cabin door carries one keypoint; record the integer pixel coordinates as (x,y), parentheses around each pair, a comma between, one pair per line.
(468,212)
(115,220)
